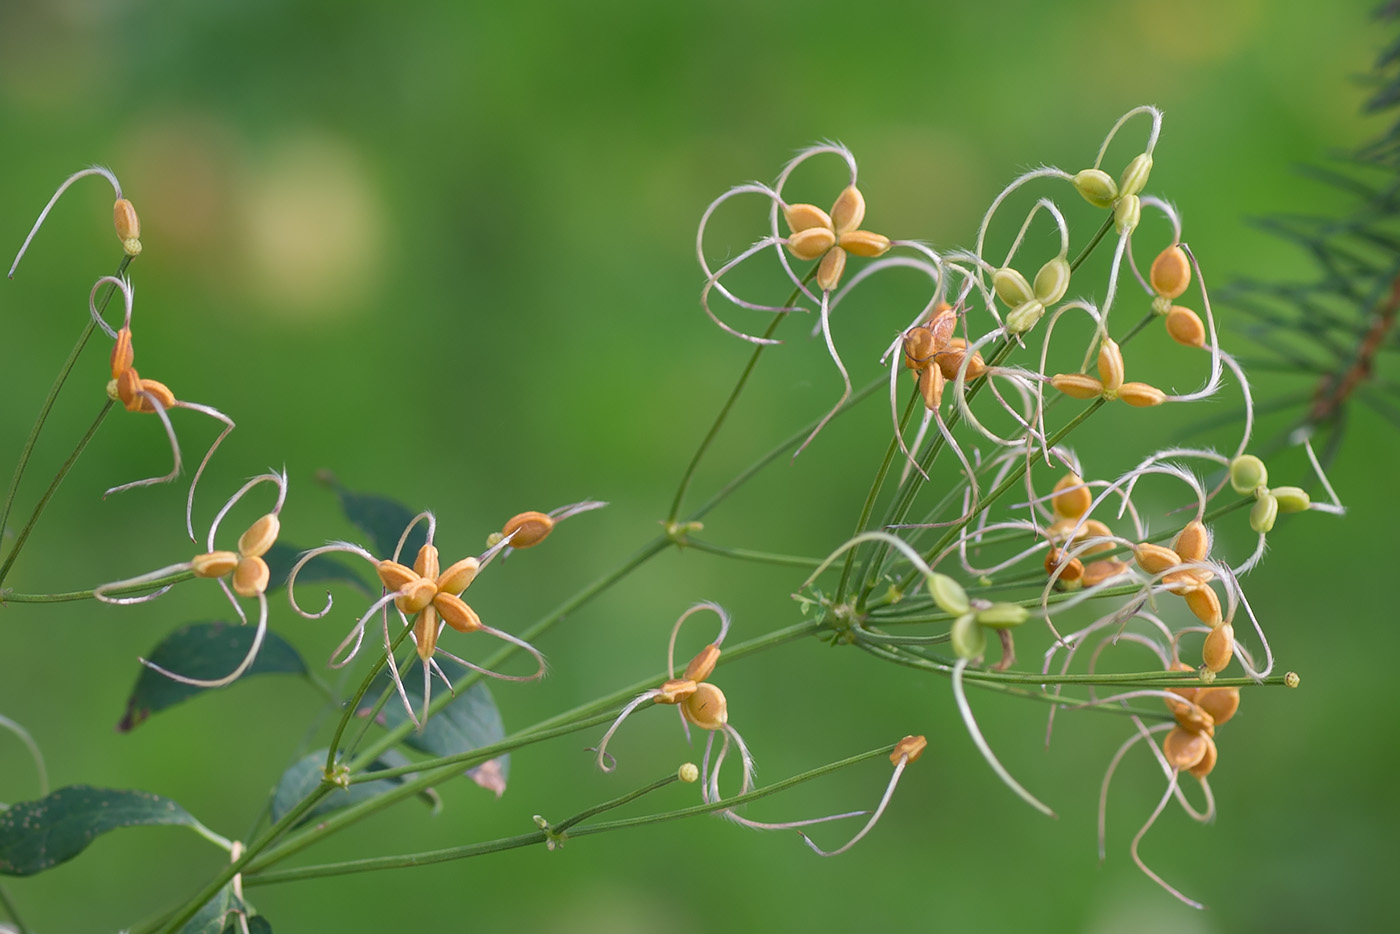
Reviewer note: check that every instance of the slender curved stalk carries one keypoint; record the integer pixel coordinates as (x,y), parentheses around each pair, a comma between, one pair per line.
(748,554)
(359,695)
(9,596)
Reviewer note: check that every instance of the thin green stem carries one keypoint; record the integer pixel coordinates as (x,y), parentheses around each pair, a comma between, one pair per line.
(559,829)
(49,400)
(729,404)
(9,596)
(875,486)
(53,488)
(9,907)
(748,554)
(359,695)
(540,836)
(1093,242)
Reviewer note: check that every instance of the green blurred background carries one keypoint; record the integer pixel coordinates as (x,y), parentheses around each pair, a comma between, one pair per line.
(447,252)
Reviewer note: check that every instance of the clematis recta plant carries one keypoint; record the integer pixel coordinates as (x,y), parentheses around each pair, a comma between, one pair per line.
(988,552)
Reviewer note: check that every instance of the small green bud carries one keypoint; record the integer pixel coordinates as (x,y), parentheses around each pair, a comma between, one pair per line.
(1247,474)
(948,594)
(1291,679)
(1052,281)
(1024,316)
(1263,513)
(1003,616)
(969,639)
(1097,187)
(1126,214)
(1291,498)
(688,773)
(1134,177)
(1011,287)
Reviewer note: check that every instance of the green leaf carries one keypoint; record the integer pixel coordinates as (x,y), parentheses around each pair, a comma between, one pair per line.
(37,835)
(257,924)
(471,720)
(380,518)
(204,650)
(305,776)
(282,555)
(211,918)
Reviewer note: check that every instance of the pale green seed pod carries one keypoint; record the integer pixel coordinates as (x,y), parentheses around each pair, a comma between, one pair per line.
(1052,281)
(1134,177)
(1291,498)
(1263,513)
(1024,316)
(1247,474)
(969,639)
(1097,187)
(1003,616)
(1011,287)
(688,773)
(1126,214)
(948,594)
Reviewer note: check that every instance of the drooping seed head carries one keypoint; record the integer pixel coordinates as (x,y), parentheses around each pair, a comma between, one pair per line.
(1184,749)
(706,707)
(1192,542)
(703,664)
(456,613)
(802,217)
(530,528)
(1093,528)
(950,360)
(1203,602)
(831,267)
(1103,570)
(1071,498)
(1154,559)
(1052,282)
(948,594)
(214,564)
(1203,768)
(811,243)
(1219,647)
(931,380)
(1192,717)
(864,243)
(941,325)
(261,536)
(1011,287)
(126,221)
(1097,187)
(1247,474)
(909,749)
(1263,513)
(1141,395)
(1077,385)
(918,347)
(1126,214)
(1291,498)
(1189,694)
(459,576)
(1220,703)
(1171,272)
(1134,177)
(123,355)
(848,211)
(1184,326)
(968,639)
(251,576)
(1071,572)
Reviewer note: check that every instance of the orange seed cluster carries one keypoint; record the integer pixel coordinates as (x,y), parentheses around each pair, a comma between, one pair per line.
(1110,384)
(429,592)
(250,571)
(829,237)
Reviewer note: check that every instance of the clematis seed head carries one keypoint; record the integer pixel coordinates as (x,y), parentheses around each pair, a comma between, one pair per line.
(251,577)
(260,536)
(802,217)
(1097,187)
(703,664)
(909,748)
(1171,272)
(214,564)
(530,529)
(706,707)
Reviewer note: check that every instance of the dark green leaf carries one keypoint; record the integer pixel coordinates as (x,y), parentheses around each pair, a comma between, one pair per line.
(380,518)
(211,918)
(281,556)
(471,720)
(204,650)
(257,924)
(37,835)
(305,776)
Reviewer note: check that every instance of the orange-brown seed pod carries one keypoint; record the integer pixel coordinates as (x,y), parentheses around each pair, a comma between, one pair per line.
(1183,748)
(811,243)
(1104,569)
(950,360)
(456,613)
(1071,498)
(126,221)
(260,536)
(674,691)
(1203,768)
(941,325)
(931,382)
(918,347)
(848,211)
(1141,395)
(459,576)
(1189,694)
(426,564)
(415,596)
(1219,647)
(1070,572)
(831,267)
(703,664)
(1192,542)
(909,748)
(706,708)
(1110,366)
(1220,703)
(1192,717)
(802,217)
(1077,385)
(1184,326)
(1154,559)
(1203,602)
(251,577)
(123,355)
(864,243)
(213,564)
(530,528)
(1181,583)
(129,389)
(394,576)
(1093,528)
(425,633)
(1171,272)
